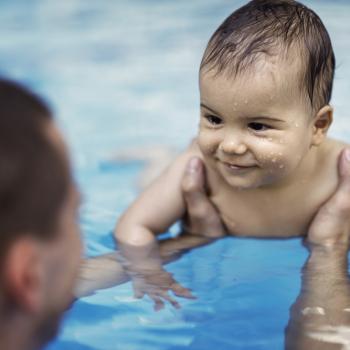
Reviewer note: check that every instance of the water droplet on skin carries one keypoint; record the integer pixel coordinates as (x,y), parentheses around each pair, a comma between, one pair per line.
(274,160)
(280,154)
(296,125)
(281,166)
(235,104)
(246,101)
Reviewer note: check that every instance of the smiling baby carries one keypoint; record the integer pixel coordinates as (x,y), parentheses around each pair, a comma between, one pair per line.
(265,86)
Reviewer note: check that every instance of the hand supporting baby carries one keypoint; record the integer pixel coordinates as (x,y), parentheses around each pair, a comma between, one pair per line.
(331,226)
(202,217)
(319,316)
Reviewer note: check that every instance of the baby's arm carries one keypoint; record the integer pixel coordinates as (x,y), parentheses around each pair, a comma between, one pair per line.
(157,208)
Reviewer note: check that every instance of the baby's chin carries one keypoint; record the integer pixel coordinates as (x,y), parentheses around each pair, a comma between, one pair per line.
(246,183)
(242,184)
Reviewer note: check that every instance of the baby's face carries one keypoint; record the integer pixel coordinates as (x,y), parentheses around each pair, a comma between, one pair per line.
(255,129)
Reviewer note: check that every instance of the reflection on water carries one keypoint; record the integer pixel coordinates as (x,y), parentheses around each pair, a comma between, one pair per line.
(320,317)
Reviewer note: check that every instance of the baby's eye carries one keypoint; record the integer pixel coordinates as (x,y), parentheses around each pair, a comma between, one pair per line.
(212,119)
(258,126)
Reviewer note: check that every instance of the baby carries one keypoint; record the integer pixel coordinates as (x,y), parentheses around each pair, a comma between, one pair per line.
(265,85)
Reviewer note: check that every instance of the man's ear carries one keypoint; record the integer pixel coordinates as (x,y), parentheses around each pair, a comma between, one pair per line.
(23,274)
(321,123)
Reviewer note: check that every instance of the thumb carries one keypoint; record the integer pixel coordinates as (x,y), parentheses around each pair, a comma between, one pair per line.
(341,198)
(331,222)
(333,215)
(344,167)
(202,216)
(193,179)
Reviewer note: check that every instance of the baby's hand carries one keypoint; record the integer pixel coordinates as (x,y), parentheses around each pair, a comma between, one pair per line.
(156,284)
(144,267)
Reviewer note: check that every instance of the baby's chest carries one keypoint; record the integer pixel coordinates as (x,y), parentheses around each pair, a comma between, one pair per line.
(263,219)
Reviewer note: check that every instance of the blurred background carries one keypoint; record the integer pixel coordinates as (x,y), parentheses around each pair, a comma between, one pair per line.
(122,74)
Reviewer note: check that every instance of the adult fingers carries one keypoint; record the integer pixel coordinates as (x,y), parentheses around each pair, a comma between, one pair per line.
(202,215)
(341,197)
(339,204)
(331,224)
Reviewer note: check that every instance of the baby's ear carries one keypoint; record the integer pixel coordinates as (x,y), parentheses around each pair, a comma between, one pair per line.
(321,123)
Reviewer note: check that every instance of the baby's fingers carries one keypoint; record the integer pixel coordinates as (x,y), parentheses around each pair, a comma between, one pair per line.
(181,291)
(137,288)
(171,300)
(158,302)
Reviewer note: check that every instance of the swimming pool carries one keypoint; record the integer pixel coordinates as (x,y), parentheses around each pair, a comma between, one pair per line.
(118,74)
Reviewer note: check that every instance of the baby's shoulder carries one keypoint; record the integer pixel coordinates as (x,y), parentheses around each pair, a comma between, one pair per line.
(177,167)
(332,149)
(193,149)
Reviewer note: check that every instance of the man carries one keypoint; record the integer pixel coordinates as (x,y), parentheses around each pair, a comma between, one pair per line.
(40,246)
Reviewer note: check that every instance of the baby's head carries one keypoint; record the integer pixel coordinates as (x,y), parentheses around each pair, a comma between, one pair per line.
(266,81)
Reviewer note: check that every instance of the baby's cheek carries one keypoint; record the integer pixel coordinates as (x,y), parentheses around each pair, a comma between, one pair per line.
(208,142)
(272,155)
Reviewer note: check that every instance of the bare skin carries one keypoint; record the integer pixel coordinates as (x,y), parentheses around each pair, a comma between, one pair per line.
(320,316)
(107,270)
(261,156)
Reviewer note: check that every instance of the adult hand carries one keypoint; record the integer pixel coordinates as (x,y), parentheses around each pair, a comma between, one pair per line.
(319,317)
(331,225)
(202,216)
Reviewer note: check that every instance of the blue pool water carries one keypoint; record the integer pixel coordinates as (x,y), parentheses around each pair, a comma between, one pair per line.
(119,74)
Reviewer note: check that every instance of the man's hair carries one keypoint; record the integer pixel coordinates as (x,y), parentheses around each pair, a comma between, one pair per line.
(263,27)
(34,176)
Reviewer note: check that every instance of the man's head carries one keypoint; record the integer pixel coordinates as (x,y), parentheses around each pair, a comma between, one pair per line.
(265,81)
(39,241)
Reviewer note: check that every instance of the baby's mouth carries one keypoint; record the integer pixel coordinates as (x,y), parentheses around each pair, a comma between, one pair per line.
(238,166)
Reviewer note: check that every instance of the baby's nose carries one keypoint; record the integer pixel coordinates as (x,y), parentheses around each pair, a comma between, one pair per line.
(233,145)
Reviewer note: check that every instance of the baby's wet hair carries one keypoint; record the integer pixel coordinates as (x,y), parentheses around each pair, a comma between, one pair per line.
(263,29)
